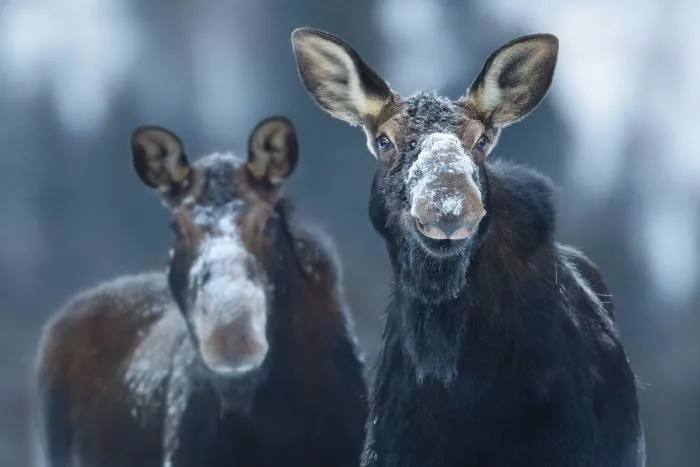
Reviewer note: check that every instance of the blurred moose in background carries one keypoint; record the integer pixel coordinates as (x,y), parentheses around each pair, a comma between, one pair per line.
(241,354)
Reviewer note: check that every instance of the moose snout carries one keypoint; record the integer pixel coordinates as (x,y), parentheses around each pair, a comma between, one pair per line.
(445,196)
(449,227)
(449,207)
(236,347)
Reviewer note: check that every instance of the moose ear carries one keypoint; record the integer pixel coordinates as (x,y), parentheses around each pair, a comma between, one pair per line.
(159,159)
(273,150)
(337,78)
(514,79)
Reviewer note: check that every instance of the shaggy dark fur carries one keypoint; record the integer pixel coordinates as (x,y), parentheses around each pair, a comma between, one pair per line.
(305,407)
(500,347)
(302,413)
(121,379)
(517,363)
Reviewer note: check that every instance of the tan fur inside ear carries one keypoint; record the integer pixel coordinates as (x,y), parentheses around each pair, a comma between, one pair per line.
(514,79)
(159,159)
(333,74)
(273,151)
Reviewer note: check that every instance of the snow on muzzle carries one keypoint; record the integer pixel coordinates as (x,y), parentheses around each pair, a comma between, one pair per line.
(445,199)
(229,312)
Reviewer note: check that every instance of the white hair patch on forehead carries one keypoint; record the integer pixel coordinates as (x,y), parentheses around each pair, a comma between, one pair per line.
(219,159)
(440,153)
(222,216)
(218,204)
(219,256)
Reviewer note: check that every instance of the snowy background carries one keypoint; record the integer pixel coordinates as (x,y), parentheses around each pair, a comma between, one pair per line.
(618,133)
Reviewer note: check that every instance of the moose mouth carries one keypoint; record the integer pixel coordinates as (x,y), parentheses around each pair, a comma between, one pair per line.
(440,247)
(454,232)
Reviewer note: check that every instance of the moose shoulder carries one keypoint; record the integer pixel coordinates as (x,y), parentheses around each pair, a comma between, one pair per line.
(241,354)
(500,347)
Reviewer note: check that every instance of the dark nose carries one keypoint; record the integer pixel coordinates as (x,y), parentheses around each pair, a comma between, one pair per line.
(450,227)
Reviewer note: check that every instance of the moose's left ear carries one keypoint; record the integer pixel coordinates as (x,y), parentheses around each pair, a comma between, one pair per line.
(514,79)
(159,159)
(273,150)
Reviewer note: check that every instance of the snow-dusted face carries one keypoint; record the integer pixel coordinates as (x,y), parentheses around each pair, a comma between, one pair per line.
(430,173)
(443,189)
(218,274)
(226,229)
(431,150)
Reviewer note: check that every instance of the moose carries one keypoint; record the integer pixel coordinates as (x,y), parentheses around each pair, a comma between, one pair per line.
(500,346)
(242,353)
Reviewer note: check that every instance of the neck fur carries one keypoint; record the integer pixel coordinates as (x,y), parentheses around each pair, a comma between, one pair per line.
(444,305)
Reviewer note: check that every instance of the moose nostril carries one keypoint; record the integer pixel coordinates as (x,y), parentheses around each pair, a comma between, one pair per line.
(448,224)
(450,227)
(428,229)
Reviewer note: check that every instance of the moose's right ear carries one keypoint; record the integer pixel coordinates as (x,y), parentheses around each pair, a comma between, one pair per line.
(159,159)
(337,78)
(273,150)
(514,79)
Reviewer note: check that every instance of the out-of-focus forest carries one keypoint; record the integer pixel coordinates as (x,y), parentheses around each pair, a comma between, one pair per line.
(618,133)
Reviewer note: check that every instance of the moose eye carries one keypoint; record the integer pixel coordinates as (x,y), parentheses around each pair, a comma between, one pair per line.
(384,143)
(482,143)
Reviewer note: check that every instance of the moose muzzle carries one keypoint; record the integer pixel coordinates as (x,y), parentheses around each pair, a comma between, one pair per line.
(446,202)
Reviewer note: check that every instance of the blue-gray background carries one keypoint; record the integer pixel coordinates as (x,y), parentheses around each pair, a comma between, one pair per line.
(618,133)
